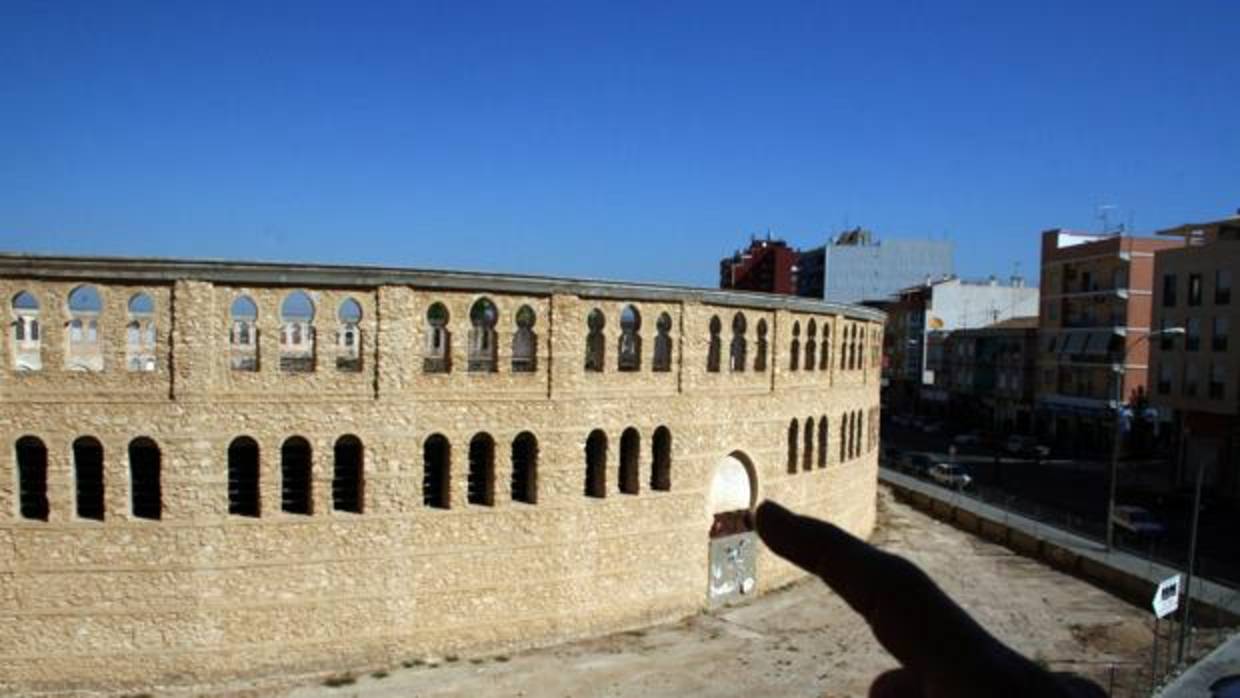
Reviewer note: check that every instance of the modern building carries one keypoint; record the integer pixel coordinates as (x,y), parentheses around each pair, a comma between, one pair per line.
(1197,375)
(766,265)
(919,320)
(856,266)
(216,472)
(988,374)
(1095,315)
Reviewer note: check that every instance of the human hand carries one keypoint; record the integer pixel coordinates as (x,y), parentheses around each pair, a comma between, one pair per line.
(941,649)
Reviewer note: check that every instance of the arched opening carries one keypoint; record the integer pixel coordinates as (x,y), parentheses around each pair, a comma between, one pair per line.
(630,452)
(661,461)
(297,333)
(794,350)
(807,457)
(483,316)
(793,434)
(759,359)
(596,464)
(436,472)
(811,345)
(825,353)
(348,475)
(243,334)
(738,351)
(663,344)
(843,437)
(32,478)
(437,356)
(349,336)
(595,341)
(83,352)
(733,545)
(296,494)
(27,344)
(525,468)
(715,346)
(88,477)
(525,342)
(823,434)
(630,348)
(140,334)
(243,477)
(481,477)
(146,488)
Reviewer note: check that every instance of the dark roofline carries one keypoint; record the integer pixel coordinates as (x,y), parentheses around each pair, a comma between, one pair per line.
(152,269)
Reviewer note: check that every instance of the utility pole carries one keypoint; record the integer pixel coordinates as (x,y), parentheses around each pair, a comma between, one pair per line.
(1192,563)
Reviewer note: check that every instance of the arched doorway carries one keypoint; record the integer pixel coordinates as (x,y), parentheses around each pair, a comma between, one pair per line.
(732,572)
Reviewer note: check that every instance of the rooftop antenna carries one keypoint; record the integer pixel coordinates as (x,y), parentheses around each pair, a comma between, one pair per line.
(1104,215)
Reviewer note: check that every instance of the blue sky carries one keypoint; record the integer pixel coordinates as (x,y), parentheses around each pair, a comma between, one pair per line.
(630,140)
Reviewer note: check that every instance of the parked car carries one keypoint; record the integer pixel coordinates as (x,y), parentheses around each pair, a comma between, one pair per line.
(950,475)
(1019,445)
(1138,521)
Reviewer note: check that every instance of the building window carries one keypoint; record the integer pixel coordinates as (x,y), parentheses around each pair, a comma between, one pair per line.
(1194,289)
(759,355)
(243,491)
(1218,334)
(88,478)
(437,356)
(1218,379)
(714,346)
(1168,290)
(482,319)
(661,463)
(1164,377)
(807,456)
(663,344)
(297,333)
(349,336)
(146,496)
(32,478)
(794,434)
(140,334)
(348,475)
(243,335)
(844,430)
(794,354)
(27,348)
(596,464)
(630,452)
(811,345)
(737,353)
(481,478)
(525,468)
(525,342)
(1166,342)
(1192,338)
(1191,379)
(436,472)
(629,350)
(83,351)
(1222,287)
(824,360)
(595,341)
(823,431)
(296,494)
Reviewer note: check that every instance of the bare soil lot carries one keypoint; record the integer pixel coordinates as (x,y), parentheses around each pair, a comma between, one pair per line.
(798,641)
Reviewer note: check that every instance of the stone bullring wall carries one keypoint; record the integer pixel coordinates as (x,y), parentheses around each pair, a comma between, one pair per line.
(200,596)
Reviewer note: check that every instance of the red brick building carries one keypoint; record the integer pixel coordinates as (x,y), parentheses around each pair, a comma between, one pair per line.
(768,265)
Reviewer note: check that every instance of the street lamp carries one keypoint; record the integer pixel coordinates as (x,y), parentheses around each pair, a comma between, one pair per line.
(1119,401)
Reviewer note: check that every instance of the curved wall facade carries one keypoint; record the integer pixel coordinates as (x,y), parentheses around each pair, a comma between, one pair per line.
(193,496)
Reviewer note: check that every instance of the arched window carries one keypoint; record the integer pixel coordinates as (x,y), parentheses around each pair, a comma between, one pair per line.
(297,333)
(243,499)
(243,335)
(482,318)
(714,348)
(525,468)
(738,351)
(595,341)
(794,350)
(27,345)
(436,472)
(794,433)
(759,359)
(844,437)
(296,493)
(811,345)
(807,457)
(32,478)
(88,477)
(146,490)
(481,482)
(83,352)
(525,342)
(663,344)
(630,452)
(349,336)
(661,461)
(348,476)
(823,433)
(844,343)
(596,464)
(438,354)
(824,362)
(859,428)
(630,348)
(140,334)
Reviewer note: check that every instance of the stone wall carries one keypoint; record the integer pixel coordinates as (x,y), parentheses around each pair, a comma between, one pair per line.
(199,597)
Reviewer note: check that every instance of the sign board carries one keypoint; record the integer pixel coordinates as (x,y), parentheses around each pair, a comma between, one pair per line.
(1167,597)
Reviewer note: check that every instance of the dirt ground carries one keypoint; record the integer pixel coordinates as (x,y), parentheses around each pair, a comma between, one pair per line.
(799,641)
